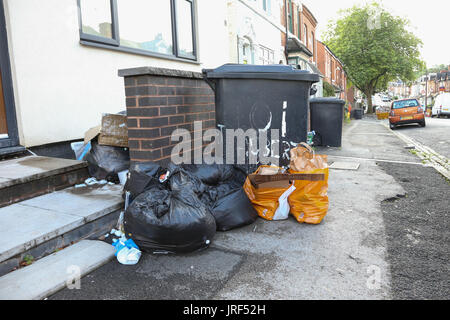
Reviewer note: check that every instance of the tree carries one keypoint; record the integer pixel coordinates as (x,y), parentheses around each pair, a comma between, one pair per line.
(375,48)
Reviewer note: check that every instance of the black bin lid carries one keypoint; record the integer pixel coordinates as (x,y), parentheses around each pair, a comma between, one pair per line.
(269,72)
(327,100)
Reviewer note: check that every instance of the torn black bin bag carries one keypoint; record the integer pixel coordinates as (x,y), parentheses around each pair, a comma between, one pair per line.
(172,221)
(222,193)
(143,176)
(210,174)
(104,162)
(234,210)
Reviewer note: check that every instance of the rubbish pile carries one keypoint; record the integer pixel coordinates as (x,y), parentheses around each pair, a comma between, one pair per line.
(301,190)
(105,148)
(178,209)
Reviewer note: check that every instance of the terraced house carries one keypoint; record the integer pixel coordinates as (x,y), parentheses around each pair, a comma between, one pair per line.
(59,60)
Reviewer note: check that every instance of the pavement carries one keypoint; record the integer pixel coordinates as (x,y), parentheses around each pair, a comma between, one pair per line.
(385,237)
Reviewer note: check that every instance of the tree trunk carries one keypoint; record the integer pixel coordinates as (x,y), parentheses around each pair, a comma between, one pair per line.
(369,102)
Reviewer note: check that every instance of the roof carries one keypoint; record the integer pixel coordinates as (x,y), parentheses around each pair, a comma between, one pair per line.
(310,13)
(332,53)
(295,45)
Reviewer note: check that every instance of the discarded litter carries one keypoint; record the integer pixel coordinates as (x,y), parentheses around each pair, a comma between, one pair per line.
(105,162)
(309,202)
(282,212)
(174,222)
(305,186)
(127,252)
(123,176)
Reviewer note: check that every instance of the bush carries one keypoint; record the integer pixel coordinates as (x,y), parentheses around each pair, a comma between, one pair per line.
(328,90)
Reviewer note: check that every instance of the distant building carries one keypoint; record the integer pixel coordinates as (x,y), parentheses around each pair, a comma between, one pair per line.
(333,70)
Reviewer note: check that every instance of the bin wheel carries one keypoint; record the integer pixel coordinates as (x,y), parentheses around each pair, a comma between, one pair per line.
(391,126)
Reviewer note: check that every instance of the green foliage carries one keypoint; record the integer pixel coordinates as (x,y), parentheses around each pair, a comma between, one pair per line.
(328,90)
(436,68)
(27,260)
(375,47)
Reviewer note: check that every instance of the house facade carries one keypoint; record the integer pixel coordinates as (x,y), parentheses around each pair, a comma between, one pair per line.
(333,70)
(254,32)
(59,58)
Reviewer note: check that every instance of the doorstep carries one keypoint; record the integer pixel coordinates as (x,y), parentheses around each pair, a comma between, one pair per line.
(41,225)
(30,176)
(51,273)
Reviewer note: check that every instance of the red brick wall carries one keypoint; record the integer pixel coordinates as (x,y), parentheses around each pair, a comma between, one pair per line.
(157,104)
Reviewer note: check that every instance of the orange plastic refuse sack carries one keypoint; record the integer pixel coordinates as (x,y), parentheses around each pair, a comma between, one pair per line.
(309,202)
(264,200)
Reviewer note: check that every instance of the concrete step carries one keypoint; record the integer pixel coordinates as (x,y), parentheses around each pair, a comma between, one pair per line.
(52,273)
(27,177)
(39,226)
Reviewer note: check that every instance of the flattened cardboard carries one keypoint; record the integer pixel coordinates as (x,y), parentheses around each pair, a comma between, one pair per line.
(112,132)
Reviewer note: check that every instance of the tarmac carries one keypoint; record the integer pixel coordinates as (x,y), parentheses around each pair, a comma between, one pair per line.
(350,255)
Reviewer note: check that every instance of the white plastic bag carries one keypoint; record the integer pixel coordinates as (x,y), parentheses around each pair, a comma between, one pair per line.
(282,212)
(128,256)
(127,252)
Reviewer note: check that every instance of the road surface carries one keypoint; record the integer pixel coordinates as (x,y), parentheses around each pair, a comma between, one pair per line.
(385,237)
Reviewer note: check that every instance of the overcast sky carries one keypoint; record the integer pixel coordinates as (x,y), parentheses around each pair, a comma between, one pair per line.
(430,20)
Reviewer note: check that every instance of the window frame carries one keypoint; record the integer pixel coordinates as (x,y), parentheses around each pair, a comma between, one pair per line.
(290,16)
(114,27)
(114,43)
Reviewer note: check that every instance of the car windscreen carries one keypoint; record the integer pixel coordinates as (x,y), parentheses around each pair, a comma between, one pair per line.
(405,104)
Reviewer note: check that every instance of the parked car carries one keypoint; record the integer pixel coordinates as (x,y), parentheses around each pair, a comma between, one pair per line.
(406,111)
(441,105)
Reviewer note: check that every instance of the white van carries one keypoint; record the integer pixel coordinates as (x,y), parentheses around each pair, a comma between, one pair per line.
(441,105)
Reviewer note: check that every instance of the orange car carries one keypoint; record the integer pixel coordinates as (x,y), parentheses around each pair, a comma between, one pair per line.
(406,111)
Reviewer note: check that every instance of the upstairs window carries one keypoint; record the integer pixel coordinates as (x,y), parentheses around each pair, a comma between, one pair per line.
(267,6)
(266,55)
(305,34)
(151,27)
(290,17)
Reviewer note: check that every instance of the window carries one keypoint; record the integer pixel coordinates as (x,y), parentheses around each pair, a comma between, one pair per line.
(405,104)
(246,51)
(290,18)
(266,56)
(312,44)
(151,27)
(267,6)
(305,34)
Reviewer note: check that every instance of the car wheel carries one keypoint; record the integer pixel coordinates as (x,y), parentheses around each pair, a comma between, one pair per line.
(422,124)
(391,126)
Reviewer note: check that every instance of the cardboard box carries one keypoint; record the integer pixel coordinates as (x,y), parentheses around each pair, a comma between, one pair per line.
(112,132)
(283,180)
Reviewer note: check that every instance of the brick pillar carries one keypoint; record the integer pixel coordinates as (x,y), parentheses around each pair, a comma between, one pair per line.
(159,101)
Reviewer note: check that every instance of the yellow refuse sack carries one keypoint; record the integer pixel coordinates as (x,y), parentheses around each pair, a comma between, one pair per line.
(265,199)
(309,202)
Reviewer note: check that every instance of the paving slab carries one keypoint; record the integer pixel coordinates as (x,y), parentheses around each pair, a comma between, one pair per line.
(32,222)
(23,228)
(29,168)
(50,274)
(90,202)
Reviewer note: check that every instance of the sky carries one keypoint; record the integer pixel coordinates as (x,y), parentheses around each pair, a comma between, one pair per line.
(430,21)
